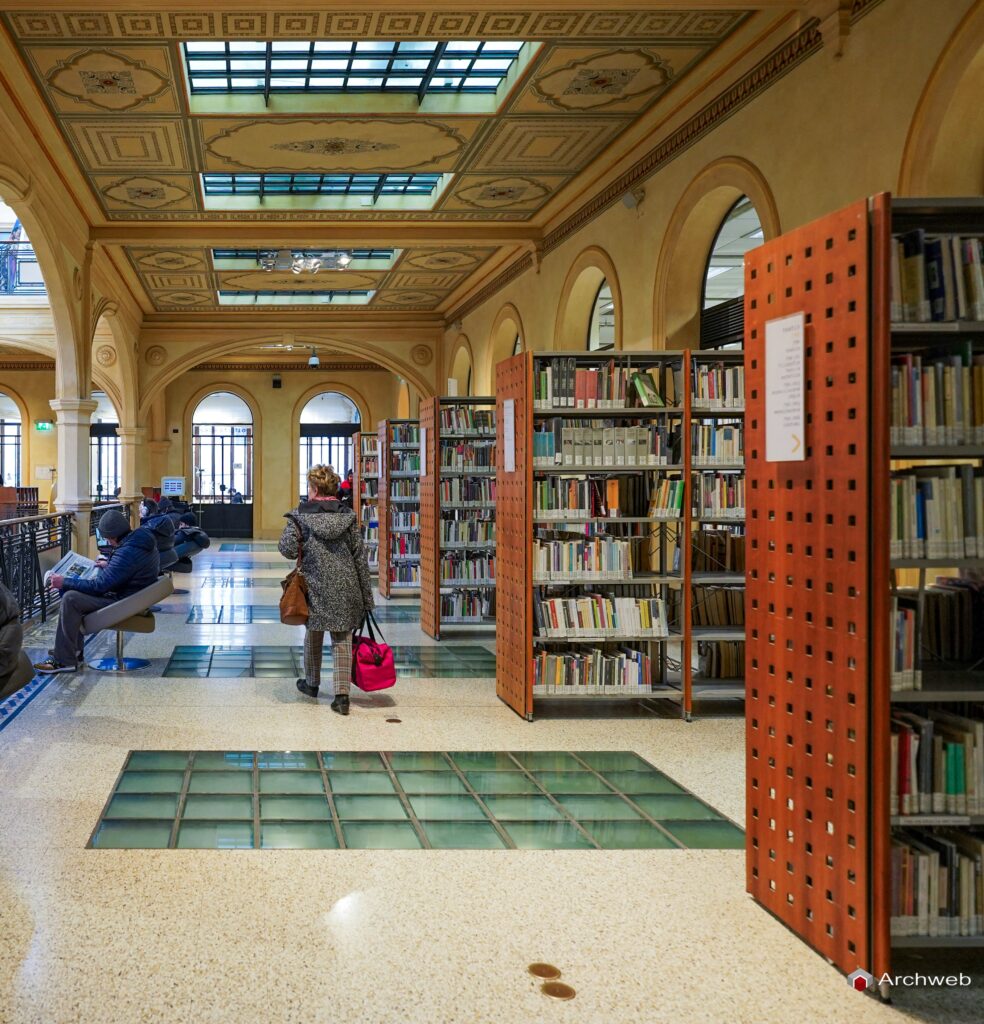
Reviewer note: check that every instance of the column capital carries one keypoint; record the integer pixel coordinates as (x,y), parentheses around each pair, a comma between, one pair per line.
(71,410)
(131,435)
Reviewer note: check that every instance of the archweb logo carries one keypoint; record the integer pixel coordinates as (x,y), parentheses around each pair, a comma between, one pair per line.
(860,980)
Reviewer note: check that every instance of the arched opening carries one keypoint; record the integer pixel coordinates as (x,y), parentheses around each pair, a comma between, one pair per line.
(105,470)
(590,312)
(20,273)
(222,449)
(403,402)
(461,369)
(11,442)
(601,325)
(507,338)
(328,422)
(517,344)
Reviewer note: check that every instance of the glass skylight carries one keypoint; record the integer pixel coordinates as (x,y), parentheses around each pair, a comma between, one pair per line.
(245,66)
(254,254)
(309,297)
(372,185)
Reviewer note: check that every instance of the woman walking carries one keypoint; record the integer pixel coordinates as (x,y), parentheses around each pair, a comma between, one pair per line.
(337,574)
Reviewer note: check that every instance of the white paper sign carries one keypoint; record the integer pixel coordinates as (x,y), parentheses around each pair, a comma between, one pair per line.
(423,451)
(509,434)
(785,405)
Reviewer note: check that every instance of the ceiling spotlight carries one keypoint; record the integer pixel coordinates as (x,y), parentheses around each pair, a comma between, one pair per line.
(303,262)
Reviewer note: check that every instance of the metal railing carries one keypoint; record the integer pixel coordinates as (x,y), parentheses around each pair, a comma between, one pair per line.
(98,510)
(20,273)
(22,543)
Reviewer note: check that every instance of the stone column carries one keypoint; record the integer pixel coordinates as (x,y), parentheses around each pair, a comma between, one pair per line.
(133,462)
(158,453)
(72,419)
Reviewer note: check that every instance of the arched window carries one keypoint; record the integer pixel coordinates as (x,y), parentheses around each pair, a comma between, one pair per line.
(724,278)
(222,448)
(328,422)
(20,273)
(518,344)
(601,326)
(11,441)
(104,450)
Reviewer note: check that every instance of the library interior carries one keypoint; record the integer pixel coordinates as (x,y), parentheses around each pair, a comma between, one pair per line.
(569,570)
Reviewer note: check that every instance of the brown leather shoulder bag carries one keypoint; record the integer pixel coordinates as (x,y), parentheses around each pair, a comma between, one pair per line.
(294,600)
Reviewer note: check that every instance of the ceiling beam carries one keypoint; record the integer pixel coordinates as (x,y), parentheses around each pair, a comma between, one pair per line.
(427,6)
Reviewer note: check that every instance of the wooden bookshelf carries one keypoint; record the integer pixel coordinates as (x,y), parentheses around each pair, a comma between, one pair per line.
(398,442)
(820,651)
(365,486)
(438,510)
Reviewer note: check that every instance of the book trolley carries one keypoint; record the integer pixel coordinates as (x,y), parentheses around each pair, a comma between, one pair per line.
(457,513)
(365,487)
(399,506)
(865,713)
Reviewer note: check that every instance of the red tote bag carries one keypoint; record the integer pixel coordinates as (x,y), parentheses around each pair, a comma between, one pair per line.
(373,667)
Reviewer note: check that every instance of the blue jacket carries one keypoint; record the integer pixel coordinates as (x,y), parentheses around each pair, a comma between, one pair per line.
(135,564)
(162,527)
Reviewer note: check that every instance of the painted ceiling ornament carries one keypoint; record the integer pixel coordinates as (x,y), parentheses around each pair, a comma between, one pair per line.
(335,146)
(170,260)
(106,80)
(421,355)
(184,298)
(502,193)
(146,193)
(156,355)
(409,298)
(105,355)
(625,78)
(444,259)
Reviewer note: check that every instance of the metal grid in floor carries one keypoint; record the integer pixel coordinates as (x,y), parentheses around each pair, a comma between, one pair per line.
(227,661)
(546,800)
(236,582)
(220,614)
(249,546)
(240,562)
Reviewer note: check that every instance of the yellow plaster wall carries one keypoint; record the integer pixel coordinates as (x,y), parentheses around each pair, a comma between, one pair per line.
(275,427)
(35,389)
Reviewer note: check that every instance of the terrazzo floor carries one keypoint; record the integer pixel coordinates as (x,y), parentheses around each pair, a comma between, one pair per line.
(402,936)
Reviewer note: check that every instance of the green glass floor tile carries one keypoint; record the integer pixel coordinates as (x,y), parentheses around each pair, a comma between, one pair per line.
(522,808)
(463,835)
(287,759)
(489,783)
(602,808)
(222,760)
(643,782)
(221,782)
(353,760)
(431,782)
(355,783)
(151,782)
(447,808)
(216,806)
(547,761)
(628,835)
(571,782)
(228,673)
(678,807)
(132,835)
(158,760)
(215,835)
(376,835)
(614,760)
(370,808)
(484,761)
(707,835)
(291,782)
(294,808)
(133,805)
(417,760)
(292,835)
(547,835)
(273,671)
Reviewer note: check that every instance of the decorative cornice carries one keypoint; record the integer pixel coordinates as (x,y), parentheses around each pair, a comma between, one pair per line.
(27,365)
(290,367)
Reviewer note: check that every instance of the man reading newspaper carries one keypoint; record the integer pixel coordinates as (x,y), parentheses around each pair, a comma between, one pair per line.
(132,564)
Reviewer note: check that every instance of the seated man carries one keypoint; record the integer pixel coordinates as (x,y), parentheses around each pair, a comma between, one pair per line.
(190,537)
(157,518)
(12,674)
(133,565)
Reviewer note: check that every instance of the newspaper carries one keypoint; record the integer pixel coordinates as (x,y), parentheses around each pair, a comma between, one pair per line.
(73,567)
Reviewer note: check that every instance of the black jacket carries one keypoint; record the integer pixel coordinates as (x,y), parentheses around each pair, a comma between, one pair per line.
(11,632)
(135,564)
(162,527)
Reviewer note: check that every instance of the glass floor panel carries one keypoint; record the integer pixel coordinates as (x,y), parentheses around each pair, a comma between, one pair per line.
(247,546)
(235,582)
(364,799)
(223,614)
(227,661)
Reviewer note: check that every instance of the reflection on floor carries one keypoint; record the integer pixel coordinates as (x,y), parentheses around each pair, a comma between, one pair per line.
(464,660)
(240,562)
(485,800)
(247,546)
(235,582)
(214,614)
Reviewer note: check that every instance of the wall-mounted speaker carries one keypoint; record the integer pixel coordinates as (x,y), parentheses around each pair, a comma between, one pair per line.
(277,381)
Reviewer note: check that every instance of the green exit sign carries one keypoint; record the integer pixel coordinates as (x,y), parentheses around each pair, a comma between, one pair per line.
(43,426)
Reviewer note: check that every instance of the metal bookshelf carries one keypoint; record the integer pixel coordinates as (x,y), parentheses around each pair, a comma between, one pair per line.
(398,438)
(366,487)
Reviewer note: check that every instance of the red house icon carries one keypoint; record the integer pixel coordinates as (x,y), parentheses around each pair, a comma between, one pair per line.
(860,980)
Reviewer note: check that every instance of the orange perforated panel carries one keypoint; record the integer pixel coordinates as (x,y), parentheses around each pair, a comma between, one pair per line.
(383,507)
(513,538)
(430,594)
(809,606)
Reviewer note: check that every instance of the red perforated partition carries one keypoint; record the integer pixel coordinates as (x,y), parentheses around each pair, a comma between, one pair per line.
(809,604)
(430,590)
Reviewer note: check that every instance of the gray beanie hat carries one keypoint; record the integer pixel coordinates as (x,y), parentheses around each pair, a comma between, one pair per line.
(114,524)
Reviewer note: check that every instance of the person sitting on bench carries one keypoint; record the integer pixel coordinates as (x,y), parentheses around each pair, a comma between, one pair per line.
(190,538)
(12,657)
(157,518)
(133,565)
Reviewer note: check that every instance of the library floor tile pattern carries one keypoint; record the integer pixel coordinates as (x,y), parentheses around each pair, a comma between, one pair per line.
(246,613)
(406,800)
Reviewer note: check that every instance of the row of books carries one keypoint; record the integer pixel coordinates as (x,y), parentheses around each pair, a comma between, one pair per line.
(370,466)
(368,444)
(405,462)
(404,544)
(593,672)
(721,659)
(476,492)
(718,606)
(937,512)
(467,567)
(405,433)
(717,385)
(468,604)
(719,495)
(937,763)
(937,882)
(905,672)
(589,497)
(462,456)
(467,531)
(712,442)
(565,382)
(463,419)
(561,442)
(720,550)
(369,488)
(405,574)
(597,558)
(404,520)
(405,489)
(937,277)
(599,615)
(937,399)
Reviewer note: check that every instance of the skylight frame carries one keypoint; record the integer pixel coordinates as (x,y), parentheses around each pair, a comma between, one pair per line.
(254,254)
(371,186)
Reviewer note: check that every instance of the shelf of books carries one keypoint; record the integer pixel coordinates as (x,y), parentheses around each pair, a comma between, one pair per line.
(866,585)
(591,507)
(457,513)
(399,506)
(366,487)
